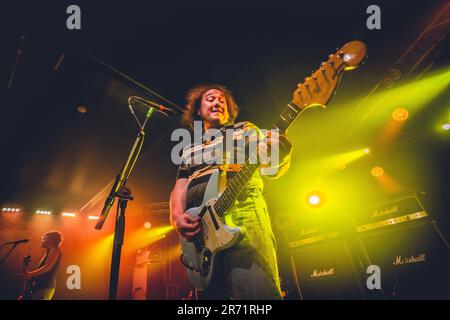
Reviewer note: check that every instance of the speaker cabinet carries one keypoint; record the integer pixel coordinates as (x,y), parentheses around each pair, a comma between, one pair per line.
(326,270)
(413,258)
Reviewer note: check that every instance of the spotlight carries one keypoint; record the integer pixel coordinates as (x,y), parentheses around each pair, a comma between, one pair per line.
(81,109)
(68,214)
(377,171)
(400,114)
(44,212)
(446,126)
(315,199)
(93,217)
(147,225)
(366,150)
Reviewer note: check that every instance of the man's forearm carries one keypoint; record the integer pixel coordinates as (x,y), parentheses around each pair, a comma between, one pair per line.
(177,204)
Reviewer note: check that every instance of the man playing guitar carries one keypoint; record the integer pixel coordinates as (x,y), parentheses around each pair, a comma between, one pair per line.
(249,269)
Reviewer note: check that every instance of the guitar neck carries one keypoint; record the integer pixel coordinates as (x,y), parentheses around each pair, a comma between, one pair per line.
(237,184)
(317,89)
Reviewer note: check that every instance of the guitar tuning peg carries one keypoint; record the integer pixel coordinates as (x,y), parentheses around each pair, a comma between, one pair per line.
(330,56)
(322,64)
(314,78)
(322,70)
(341,54)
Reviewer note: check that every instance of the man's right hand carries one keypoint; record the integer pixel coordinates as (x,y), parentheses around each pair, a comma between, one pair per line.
(186,225)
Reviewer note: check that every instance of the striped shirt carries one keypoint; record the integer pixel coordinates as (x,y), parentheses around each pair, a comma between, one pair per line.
(200,160)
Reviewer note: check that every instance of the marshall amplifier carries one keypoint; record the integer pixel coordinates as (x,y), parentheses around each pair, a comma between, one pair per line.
(326,270)
(328,262)
(150,273)
(309,233)
(407,245)
(414,259)
(322,261)
(391,213)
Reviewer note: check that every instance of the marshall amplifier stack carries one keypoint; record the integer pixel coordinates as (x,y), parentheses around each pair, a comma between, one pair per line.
(398,236)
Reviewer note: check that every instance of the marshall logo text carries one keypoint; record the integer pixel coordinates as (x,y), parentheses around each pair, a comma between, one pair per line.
(399,260)
(322,273)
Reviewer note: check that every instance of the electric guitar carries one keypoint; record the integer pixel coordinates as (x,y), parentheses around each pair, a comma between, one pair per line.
(198,255)
(27,283)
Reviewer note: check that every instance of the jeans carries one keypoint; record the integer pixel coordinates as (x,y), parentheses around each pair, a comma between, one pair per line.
(249,270)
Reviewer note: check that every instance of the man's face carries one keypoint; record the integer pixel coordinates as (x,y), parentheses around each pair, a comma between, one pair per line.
(213,109)
(46,242)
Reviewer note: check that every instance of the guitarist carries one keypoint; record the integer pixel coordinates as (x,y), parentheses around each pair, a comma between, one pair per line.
(249,269)
(43,278)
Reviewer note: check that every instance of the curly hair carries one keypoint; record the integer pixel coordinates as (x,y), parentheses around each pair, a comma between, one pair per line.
(194,98)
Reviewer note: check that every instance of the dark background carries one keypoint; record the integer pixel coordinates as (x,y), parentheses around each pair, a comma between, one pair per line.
(55,157)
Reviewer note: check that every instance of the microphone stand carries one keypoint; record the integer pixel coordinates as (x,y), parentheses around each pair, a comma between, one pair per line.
(124,194)
(9,252)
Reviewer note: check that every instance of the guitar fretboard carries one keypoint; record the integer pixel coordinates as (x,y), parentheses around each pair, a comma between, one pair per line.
(237,184)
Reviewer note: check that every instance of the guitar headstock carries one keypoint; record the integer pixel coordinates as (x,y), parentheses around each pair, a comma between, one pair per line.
(320,86)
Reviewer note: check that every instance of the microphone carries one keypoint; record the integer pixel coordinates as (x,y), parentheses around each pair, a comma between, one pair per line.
(158,107)
(17,241)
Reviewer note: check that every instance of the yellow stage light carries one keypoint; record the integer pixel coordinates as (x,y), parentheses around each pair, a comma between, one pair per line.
(315,199)
(377,171)
(400,114)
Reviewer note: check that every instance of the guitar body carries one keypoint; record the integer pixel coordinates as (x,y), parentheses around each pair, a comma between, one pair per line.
(199,254)
(27,285)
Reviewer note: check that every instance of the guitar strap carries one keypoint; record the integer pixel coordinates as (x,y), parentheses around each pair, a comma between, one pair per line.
(225,163)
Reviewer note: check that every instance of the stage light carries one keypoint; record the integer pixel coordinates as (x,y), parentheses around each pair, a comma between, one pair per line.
(9,209)
(81,109)
(315,199)
(93,217)
(68,214)
(377,171)
(366,150)
(446,126)
(44,212)
(400,114)
(147,225)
